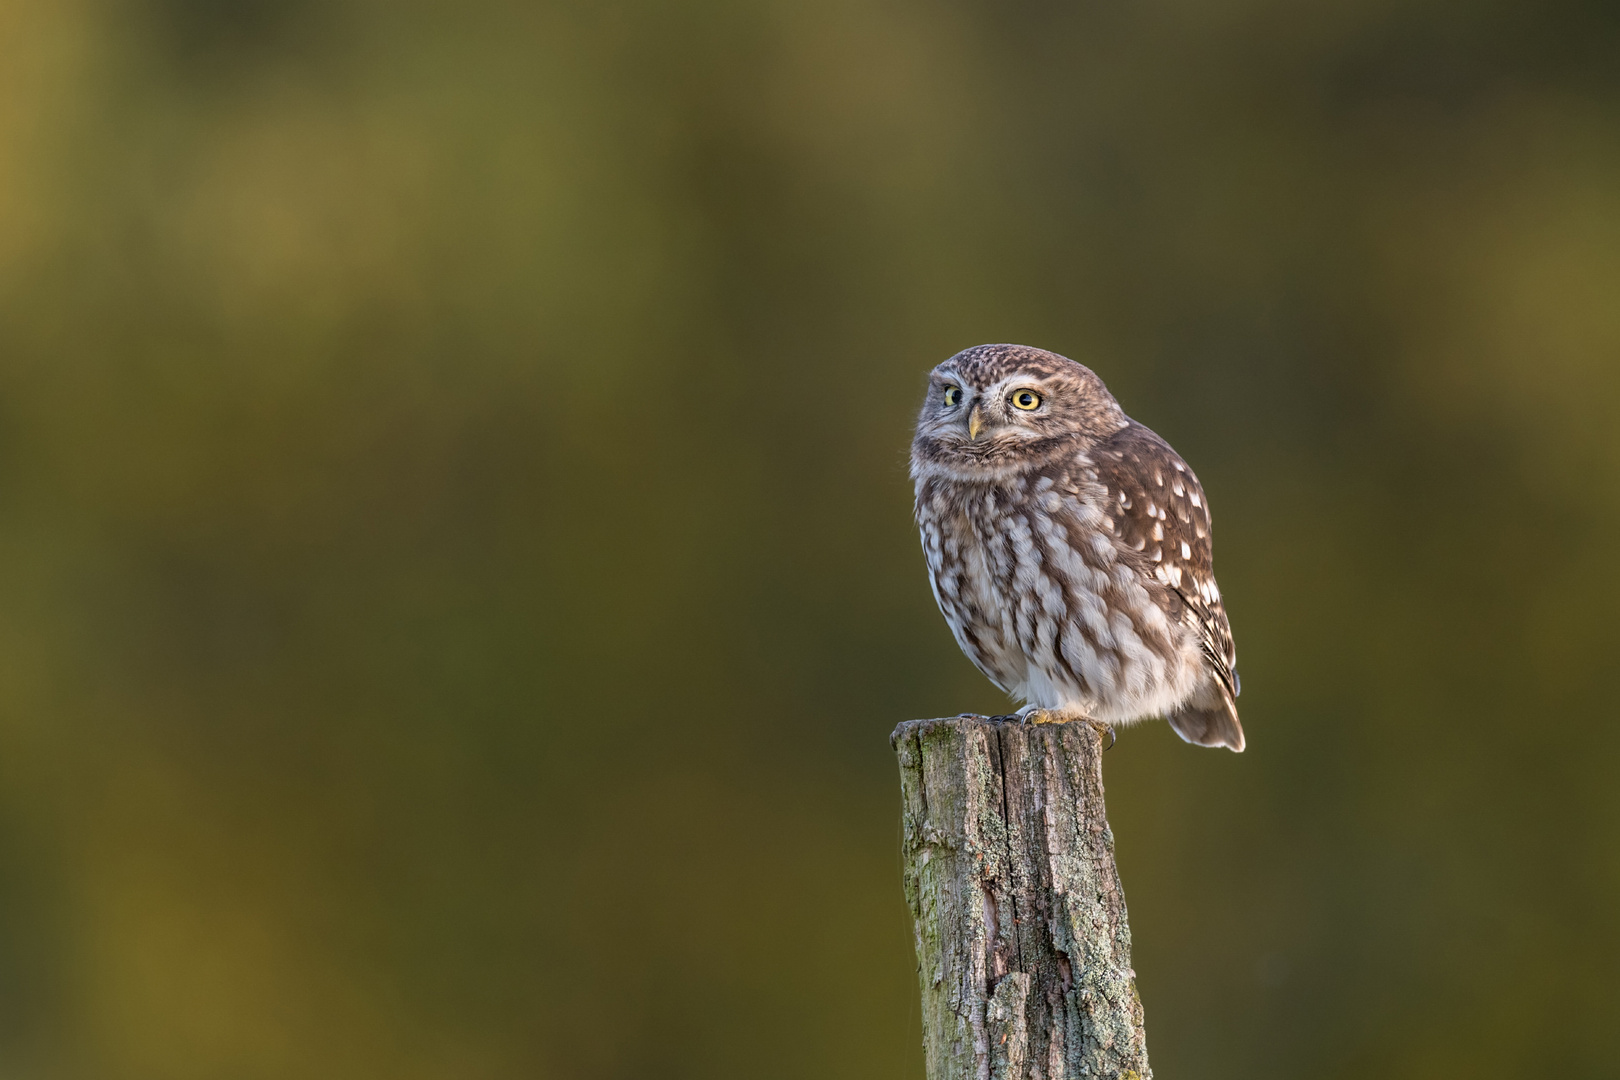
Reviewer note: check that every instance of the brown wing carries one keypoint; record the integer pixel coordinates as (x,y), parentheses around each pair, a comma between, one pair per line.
(1161,521)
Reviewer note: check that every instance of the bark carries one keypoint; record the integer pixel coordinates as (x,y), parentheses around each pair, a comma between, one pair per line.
(1023,950)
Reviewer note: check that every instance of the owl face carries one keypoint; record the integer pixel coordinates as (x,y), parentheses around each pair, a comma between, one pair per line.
(999,407)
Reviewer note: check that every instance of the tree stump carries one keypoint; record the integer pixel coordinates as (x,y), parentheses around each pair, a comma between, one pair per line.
(1023,950)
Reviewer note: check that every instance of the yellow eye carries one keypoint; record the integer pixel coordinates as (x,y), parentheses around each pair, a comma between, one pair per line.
(953,395)
(1026,400)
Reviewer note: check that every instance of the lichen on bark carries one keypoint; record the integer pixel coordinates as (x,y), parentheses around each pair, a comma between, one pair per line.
(1023,949)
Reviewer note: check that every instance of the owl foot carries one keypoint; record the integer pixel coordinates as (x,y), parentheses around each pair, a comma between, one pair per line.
(1029,714)
(1046,716)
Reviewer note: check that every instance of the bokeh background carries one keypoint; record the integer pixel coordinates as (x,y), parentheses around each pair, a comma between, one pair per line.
(456,568)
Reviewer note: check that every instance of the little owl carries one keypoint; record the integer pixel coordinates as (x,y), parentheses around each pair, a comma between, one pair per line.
(1069,547)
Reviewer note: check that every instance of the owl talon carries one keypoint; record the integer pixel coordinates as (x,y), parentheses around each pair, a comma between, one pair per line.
(1101,726)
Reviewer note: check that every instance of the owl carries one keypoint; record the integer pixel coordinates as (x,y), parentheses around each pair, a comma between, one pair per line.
(1069,547)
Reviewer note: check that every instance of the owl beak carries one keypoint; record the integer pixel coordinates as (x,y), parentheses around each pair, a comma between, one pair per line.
(975,422)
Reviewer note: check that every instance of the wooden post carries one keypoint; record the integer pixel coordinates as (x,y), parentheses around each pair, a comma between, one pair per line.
(1023,951)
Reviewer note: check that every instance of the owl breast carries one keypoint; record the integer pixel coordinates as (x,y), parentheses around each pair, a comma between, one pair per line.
(1042,597)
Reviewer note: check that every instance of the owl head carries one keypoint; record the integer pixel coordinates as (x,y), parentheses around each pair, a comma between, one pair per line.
(995,409)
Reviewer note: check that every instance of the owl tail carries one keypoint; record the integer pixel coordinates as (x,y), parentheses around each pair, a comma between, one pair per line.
(1210,727)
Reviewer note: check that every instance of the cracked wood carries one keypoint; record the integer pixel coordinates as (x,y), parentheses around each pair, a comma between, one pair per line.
(1023,949)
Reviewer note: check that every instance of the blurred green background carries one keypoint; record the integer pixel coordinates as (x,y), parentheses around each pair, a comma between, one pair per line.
(456,568)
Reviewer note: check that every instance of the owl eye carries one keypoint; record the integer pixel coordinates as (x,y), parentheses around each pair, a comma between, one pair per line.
(1026,400)
(953,395)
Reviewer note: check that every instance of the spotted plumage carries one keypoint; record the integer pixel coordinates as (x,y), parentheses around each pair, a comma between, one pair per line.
(1069,547)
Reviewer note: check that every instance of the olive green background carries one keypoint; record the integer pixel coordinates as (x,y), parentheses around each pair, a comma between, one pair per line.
(456,568)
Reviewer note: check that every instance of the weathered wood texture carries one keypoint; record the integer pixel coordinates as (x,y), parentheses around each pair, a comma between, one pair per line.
(1023,951)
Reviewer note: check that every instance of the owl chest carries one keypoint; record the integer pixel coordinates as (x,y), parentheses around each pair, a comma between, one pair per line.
(1009,579)
(1037,594)
(971,587)
(990,554)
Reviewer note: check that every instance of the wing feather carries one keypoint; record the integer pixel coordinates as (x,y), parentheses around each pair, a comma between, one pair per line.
(1161,524)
